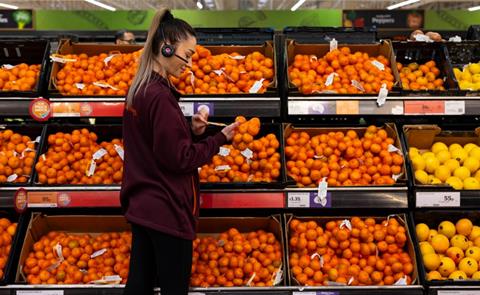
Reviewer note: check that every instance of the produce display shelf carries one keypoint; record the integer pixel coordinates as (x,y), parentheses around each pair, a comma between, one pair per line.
(446,197)
(352,197)
(394,105)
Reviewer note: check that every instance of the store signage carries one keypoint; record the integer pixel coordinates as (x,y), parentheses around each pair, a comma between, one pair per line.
(87,109)
(16,19)
(437,199)
(400,19)
(307,200)
(42,200)
(40,109)
(191,108)
(20,200)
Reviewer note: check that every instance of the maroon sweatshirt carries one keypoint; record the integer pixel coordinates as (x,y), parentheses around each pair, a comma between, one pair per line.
(160,183)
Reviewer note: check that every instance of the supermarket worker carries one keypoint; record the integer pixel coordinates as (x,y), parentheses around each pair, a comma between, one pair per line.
(160,186)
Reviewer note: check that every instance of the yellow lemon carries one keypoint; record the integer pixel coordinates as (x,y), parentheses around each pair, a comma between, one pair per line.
(418,163)
(454,146)
(471,183)
(412,152)
(473,252)
(443,156)
(475,153)
(431,234)
(426,248)
(440,243)
(458,275)
(447,266)
(476,275)
(455,182)
(458,73)
(464,226)
(421,176)
(466,85)
(452,164)
(422,231)
(476,78)
(462,173)
(439,146)
(469,146)
(468,265)
(431,164)
(427,155)
(447,229)
(459,154)
(431,261)
(466,76)
(434,180)
(472,164)
(455,253)
(477,175)
(474,233)
(459,241)
(474,68)
(442,173)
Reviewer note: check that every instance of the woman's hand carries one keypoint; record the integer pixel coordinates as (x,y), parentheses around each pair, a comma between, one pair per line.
(230,130)
(199,122)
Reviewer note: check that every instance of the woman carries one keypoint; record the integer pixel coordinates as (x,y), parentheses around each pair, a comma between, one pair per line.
(160,187)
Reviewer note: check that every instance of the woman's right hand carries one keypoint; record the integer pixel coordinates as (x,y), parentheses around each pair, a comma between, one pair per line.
(230,130)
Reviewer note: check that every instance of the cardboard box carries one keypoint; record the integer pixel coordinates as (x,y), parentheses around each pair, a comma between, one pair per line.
(313,131)
(69,47)
(384,48)
(322,221)
(423,137)
(213,226)
(41,225)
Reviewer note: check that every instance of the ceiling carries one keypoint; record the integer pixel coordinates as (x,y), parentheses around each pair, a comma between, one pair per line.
(237,4)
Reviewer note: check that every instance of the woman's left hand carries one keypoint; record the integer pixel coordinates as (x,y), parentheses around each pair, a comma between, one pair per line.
(199,122)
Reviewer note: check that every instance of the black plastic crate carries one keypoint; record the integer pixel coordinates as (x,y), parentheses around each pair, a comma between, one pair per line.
(266,128)
(432,218)
(311,35)
(419,52)
(30,52)
(12,261)
(234,36)
(36,133)
(463,53)
(104,132)
(473,32)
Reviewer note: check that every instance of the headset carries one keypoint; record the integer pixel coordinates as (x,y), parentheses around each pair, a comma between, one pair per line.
(168,50)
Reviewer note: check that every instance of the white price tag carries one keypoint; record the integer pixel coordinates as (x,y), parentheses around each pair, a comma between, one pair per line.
(333,45)
(382,95)
(303,293)
(438,199)
(247,153)
(61,59)
(397,110)
(224,151)
(322,190)
(237,57)
(454,107)
(91,168)
(120,151)
(39,292)
(187,108)
(99,154)
(12,178)
(393,149)
(192,78)
(109,58)
(98,253)
(112,278)
(256,86)
(278,277)
(455,292)
(249,282)
(357,85)
(378,65)
(346,223)
(80,86)
(7,66)
(298,200)
(104,85)
(58,249)
(422,38)
(455,39)
(223,168)
(330,78)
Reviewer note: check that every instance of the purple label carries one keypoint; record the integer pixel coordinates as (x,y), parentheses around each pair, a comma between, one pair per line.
(197,106)
(315,202)
(328,293)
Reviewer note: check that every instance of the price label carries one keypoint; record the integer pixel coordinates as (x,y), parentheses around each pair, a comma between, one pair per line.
(455,107)
(438,199)
(187,108)
(347,107)
(316,293)
(39,292)
(298,200)
(455,292)
(428,107)
(42,200)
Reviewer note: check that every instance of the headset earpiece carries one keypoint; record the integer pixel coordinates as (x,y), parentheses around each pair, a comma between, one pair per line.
(168,50)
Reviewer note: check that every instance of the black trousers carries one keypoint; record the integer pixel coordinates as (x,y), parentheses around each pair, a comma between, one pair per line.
(158,257)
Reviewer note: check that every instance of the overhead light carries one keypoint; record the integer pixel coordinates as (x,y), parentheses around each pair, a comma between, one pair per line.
(8,6)
(199,4)
(297,5)
(102,5)
(401,4)
(474,8)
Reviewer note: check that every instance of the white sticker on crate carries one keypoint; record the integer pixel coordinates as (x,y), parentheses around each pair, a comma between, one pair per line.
(298,200)
(256,86)
(12,178)
(98,253)
(333,44)
(224,151)
(91,168)
(378,65)
(247,153)
(438,199)
(223,168)
(382,95)
(109,58)
(119,151)
(357,85)
(99,154)
(7,66)
(330,78)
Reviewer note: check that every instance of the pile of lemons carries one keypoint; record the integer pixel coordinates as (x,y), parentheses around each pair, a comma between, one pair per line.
(452,251)
(455,165)
(469,77)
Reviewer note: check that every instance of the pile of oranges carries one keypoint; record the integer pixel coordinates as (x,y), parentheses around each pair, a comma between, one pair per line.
(21,77)
(17,154)
(44,265)
(310,73)
(70,156)
(343,158)
(236,166)
(355,252)
(420,77)
(235,259)
(7,231)
(225,73)
(97,74)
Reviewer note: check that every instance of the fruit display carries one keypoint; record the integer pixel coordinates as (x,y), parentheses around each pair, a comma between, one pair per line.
(237,259)
(469,77)
(222,73)
(17,156)
(20,77)
(354,251)
(98,75)
(420,77)
(454,165)
(78,158)
(247,159)
(342,71)
(7,232)
(450,249)
(65,258)
(344,157)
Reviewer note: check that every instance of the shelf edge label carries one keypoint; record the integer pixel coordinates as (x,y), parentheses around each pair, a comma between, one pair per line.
(40,109)
(437,199)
